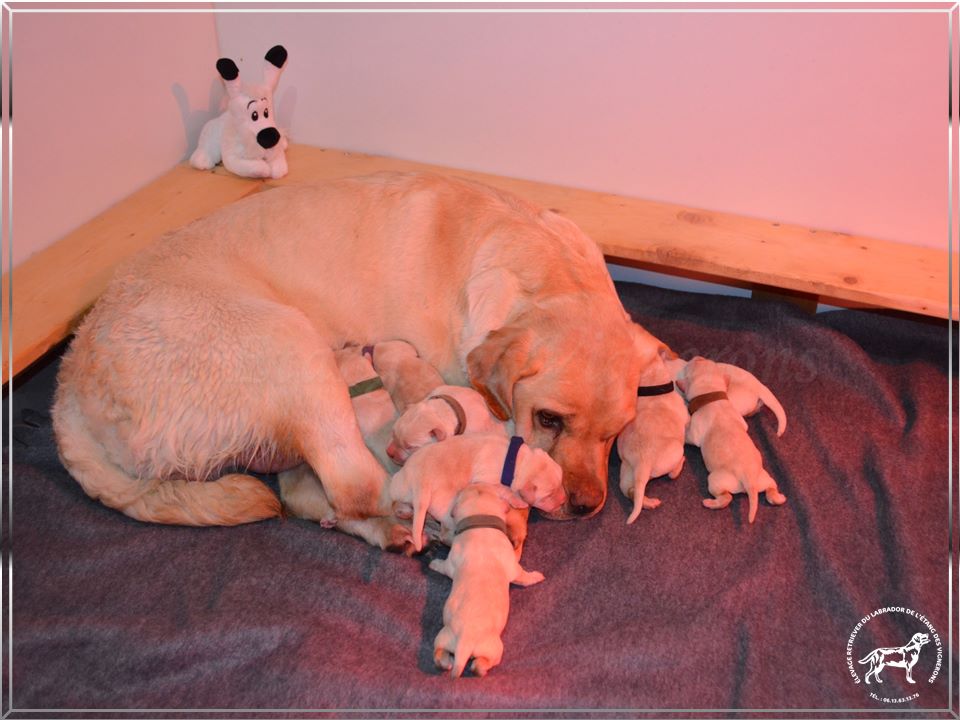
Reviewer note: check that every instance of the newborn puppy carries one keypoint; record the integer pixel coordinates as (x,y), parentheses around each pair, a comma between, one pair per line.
(372,403)
(406,376)
(482,565)
(652,444)
(718,429)
(448,410)
(748,394)
(432,477)
(301,491)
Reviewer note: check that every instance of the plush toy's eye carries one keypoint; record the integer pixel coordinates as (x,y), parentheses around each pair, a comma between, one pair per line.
(266,112)
(254,116)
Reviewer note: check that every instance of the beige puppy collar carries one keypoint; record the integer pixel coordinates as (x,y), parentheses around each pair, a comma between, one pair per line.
(700,400)
(481,521)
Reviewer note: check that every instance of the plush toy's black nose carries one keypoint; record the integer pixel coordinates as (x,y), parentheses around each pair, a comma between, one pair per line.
(268,137)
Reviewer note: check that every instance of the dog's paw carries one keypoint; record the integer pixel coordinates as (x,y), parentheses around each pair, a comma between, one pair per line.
(403,510)
(649,503)
(443,659)
(481,666)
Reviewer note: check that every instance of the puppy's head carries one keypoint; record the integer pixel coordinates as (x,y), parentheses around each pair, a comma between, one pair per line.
(539,480)
(568,380)
(480,498)
(700,376)
(420,425)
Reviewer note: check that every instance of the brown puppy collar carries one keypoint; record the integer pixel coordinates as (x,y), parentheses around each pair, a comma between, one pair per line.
(481,521)
(700,400)
(457,410)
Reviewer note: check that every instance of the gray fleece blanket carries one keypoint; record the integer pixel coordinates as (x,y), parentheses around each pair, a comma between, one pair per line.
(688,609)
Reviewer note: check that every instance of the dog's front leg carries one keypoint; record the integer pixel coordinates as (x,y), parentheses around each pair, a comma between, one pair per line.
(330,441)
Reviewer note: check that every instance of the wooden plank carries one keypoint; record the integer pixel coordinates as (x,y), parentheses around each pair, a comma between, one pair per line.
(833,266)
(53,288)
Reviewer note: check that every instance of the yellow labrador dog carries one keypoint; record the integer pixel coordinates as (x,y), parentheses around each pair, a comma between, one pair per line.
(211,352)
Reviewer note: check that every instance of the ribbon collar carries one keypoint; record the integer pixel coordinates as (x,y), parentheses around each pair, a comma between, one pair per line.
(700,400)
(457,410)
(365,386)
(481,521)
(510,461)
(653,390)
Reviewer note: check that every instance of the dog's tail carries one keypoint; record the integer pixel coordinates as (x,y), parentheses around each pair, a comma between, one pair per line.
(231,500)
(871,658)
(641,477)
(753,496)
(770,400)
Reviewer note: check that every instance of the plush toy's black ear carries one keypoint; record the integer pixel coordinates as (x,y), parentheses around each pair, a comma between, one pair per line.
(228,69)
(276,56)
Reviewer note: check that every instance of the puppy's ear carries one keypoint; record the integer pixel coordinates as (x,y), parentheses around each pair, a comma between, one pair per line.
(505,357)
(438,434)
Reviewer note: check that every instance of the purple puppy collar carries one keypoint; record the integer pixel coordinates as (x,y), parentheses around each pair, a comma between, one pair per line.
(367,352)
(510,462)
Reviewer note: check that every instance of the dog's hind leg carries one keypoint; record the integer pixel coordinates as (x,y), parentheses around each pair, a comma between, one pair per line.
(303,496)
(231,500)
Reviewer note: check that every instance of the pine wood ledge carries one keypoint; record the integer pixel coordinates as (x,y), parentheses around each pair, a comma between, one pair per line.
(54,288)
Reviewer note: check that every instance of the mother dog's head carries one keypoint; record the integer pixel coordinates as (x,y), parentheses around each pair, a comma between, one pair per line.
(568,379)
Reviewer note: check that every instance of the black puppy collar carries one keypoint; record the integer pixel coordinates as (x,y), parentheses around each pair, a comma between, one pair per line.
(652,390)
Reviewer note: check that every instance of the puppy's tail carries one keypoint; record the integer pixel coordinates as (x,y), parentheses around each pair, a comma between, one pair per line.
(753,495)
(231,500)
(640,479)
(770,400)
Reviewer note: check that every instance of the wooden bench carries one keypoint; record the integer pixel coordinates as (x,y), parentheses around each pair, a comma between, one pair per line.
(53,289)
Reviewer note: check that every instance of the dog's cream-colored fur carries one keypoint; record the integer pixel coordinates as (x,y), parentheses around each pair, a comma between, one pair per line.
(733,461)
(433,420)
(482,565)
(213,348)
(432,477)
(651,445)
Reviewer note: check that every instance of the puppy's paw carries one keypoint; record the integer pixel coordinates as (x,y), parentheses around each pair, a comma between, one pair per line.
(403,510)
(481,666)
(775,497)
(649,503)
(443,659)
(718,503)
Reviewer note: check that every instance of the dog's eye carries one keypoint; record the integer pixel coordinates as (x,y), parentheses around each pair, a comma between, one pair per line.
(549,421)
(254,116)
(266,112)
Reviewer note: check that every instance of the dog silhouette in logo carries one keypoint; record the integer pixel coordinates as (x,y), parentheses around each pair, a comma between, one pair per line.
(904,657)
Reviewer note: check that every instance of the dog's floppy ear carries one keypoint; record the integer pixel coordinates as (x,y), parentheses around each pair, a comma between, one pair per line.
(648,347)
(504,358)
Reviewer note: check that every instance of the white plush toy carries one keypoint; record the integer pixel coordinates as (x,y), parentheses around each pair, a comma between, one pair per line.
(245,137)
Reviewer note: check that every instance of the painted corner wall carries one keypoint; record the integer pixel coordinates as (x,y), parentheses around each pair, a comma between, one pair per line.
(104,103)
(830,120)
(833,120)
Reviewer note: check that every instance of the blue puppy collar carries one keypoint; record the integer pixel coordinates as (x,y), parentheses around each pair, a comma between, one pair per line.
(510,462)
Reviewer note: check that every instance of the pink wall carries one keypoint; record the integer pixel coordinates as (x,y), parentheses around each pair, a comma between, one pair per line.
(104,103)
(830,120)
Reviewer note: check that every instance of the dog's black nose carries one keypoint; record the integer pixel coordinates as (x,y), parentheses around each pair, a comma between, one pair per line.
(268,137)
(585,501)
